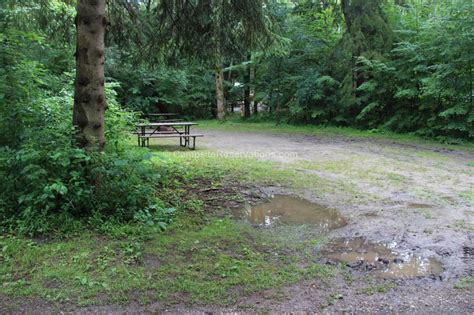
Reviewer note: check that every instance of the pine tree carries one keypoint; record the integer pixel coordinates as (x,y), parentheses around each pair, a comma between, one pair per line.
(369,35)
(89,96)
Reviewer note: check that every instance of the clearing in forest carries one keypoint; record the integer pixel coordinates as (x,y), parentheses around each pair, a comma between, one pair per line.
(278,222)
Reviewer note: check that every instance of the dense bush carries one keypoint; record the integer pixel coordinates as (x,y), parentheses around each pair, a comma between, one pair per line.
(404,68)
(188,91)
(47,182)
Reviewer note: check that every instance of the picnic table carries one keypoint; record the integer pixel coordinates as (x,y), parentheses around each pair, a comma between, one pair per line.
(181,130)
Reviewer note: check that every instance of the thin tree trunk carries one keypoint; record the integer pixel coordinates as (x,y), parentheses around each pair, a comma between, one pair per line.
(278,109)
(247,91)
(347,15)
(252,89)
(220,91)
(354,73)
(89,96)
(229,73)
(471,87)
(217,8)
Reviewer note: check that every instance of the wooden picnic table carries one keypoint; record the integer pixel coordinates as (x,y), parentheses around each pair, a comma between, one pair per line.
(181,130)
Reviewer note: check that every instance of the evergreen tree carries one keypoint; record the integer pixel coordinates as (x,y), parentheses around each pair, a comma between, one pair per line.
(89,96)
(368,34)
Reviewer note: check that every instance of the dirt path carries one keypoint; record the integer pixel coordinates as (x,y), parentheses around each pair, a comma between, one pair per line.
(421,199)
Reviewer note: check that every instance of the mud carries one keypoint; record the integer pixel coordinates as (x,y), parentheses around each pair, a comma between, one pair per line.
(284,209)
(418,197)
(380,260)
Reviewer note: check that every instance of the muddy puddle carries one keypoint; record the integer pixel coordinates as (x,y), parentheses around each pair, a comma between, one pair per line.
(283,209)
(361,256)
(381,260)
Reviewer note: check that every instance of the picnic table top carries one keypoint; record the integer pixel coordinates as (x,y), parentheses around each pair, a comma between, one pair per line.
(162,114)
(167,124)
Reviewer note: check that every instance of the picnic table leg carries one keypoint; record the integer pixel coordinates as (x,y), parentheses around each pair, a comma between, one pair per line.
(186,131)
(143,134)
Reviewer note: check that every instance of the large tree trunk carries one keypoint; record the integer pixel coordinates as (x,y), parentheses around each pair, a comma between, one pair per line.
(89,97)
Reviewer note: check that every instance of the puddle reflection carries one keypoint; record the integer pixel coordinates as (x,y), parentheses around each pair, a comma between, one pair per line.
(291,210)
(381,259)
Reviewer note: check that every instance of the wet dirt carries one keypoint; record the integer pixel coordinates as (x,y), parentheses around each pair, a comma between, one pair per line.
(380,260)
(419,197)
(284,209)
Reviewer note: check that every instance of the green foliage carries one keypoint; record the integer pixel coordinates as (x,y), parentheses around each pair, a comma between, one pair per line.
(426,86)
(389,68)
(187,91)
(47,182)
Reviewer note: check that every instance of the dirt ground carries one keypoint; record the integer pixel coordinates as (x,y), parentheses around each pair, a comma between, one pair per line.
(418,198)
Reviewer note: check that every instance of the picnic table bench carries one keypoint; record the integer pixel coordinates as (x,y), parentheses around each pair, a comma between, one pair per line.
(179,130)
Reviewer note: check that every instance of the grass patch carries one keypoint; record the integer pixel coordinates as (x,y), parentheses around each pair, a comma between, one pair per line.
(257,172)
(383,288)
(246,170)
(355,168)
(200,259)
(465,283)
(463,225)
(211,264)
(427,214)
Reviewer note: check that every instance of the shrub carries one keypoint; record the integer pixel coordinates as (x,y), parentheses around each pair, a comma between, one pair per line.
(47,182)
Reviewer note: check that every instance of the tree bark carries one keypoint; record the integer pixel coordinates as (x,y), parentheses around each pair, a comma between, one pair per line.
(252,89)
(217,8)
(220,99)
(247,90)
(89,97)
(346,9)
